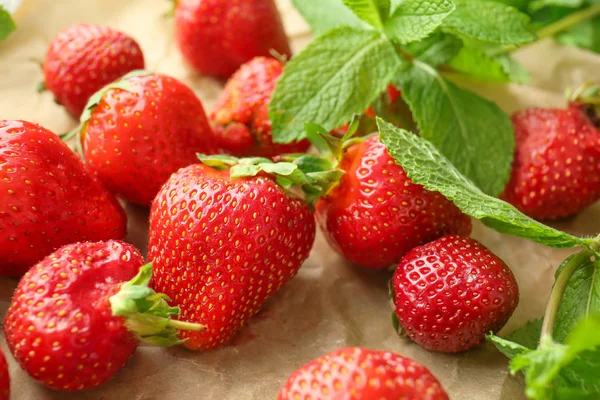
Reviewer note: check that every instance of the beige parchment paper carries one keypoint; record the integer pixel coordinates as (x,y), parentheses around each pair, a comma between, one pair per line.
(330,304)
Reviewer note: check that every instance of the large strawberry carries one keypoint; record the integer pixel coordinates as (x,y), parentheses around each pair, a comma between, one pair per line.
(78,315)
(556,169)
(83,58)
(240,118)
(217,36)
(376,214)
(4,378)
(222,246)
(360,374)
(450,293)
(48,199)
(139,130)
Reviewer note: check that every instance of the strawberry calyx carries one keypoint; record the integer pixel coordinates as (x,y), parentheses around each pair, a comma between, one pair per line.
(587,98)
(315,175)
(147,313)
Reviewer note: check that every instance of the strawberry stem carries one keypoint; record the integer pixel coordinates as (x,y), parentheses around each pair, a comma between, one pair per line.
(569,21)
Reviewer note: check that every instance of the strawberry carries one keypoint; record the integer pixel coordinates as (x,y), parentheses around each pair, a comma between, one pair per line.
(241,115)
(217,36)
(48,198)
(83,58)
(77,316)
(360,374)
(4,378)
(556,169)
(222,246)
(376,214)
(450,293)
(141,129)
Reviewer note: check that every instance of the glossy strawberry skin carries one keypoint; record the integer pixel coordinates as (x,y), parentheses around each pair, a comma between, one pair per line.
(48,198)
(361,374)
(136,138)
(556,169)
(217,36)
(376,214)
(241,115)
(60,327)
(83,58)
(221,248)
(4,378)
(450,293)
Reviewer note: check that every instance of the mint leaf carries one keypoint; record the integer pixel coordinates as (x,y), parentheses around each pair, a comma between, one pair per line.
(528,335)
(585,35)
(337,75)
(323,15)
(436,49)
(507,347)
(474,133)
(479,65)
(7,25)
(580,298)
(489,21)
(416,19)
(513,69)
(374,12)
(426,166)
(543,365)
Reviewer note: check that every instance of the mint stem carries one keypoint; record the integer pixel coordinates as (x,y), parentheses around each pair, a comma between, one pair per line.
(558,290)
(554,28)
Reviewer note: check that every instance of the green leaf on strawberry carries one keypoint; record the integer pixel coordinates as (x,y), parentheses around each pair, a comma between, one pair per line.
(7,25)
(414,20)
(472,132)
(425,165)
(338,75)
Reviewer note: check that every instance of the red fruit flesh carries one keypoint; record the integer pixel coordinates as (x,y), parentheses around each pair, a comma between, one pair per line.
(48,198)
(221,247)
(241,115)
(556,170)
(136,138)
(217,36)
(376,214)
(83,58)
(60,327)
(360,374)
(4,378)
(450,293)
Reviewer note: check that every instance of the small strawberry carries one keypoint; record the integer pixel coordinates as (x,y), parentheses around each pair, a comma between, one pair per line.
(360,374)
(217,36)
(450,293)
(48,198)
(376,214)
(222,246)
(241,115)
(139,130)
(556,169)
(83,58)
(77,316)
(4,378)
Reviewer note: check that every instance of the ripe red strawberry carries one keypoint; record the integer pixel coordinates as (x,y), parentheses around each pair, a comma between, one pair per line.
(48,199)
(221,247)
(360,374)
(4,378)
(73,319)
(140,130)
(450,293)
(241,115)
(376,214)
(217,36)
(83,58)
(556,170)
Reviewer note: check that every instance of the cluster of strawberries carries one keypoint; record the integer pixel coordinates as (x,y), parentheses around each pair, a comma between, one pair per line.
(221,246)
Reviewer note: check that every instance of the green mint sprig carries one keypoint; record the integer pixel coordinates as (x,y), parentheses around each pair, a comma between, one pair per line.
(7,25)
(559,355)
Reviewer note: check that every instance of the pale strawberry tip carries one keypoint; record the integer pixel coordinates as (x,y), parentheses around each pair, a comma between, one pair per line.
(147,313)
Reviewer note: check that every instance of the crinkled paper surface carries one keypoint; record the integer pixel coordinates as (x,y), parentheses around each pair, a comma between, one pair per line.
(330,304)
